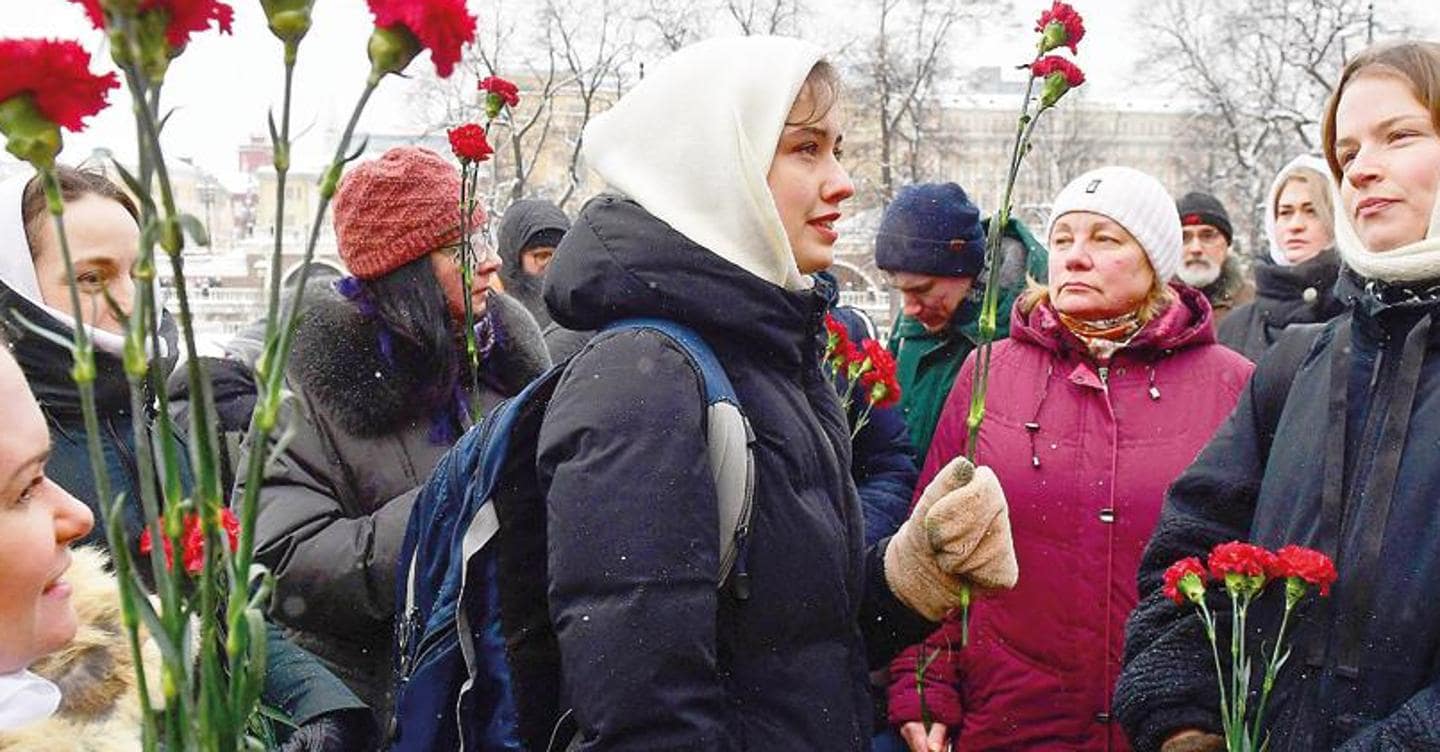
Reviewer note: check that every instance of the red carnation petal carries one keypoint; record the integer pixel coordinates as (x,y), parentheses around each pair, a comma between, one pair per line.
(57,75)
(441,26)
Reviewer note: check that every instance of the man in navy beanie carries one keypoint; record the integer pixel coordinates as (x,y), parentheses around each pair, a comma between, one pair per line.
(931,244)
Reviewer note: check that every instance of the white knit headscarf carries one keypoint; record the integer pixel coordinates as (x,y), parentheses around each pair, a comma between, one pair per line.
(17,268)
(1416,262)
(1277,251)
(692,144)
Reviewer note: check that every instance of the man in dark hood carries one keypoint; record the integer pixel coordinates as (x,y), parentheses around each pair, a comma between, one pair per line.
(529,233)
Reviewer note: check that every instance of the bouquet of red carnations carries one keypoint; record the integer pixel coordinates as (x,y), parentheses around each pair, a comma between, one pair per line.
(1245,570)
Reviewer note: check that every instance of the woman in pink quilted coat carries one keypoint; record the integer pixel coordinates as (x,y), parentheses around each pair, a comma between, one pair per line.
(1109,385)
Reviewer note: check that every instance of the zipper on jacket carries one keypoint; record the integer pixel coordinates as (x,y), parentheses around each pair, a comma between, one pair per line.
(1104,372)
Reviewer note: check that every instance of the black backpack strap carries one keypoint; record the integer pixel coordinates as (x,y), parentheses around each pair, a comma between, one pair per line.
(1275,373)
(730,440)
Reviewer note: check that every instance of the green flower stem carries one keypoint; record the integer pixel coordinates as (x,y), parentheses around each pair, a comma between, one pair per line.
(1209,620)
(468,186)
(1237,639)
(990,303)
(281,159)
(83,372)
(272,370)
(1271,669)
(217,729)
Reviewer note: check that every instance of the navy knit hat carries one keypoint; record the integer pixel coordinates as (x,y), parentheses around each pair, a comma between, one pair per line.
(1198,208)
(934,229)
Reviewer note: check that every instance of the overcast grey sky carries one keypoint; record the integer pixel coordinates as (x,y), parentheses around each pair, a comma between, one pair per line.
(223,84)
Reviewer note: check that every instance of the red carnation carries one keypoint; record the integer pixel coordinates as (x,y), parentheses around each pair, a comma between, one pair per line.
(837,342)
(441,26)
(1061,25)
(499,87)
(56,74)
(1177,588)
(193,541)
(1240,558)
(1052,64)
(183,17)
(1306,564)
(190,17)
(880,380)
(469,143)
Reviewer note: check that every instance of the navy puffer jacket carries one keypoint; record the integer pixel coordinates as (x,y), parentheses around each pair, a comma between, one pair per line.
(653,656)
(1348,466)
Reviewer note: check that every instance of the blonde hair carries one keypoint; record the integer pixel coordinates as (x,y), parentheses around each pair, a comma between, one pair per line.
(1320,194)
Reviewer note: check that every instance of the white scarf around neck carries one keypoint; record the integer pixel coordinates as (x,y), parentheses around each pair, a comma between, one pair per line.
(693,141)
(26,698)
(1416,262)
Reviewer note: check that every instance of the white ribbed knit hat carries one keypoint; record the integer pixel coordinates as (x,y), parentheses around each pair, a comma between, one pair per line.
(1138,202)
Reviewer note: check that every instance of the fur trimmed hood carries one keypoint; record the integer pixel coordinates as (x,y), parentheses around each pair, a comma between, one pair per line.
(337,360)
(100,701)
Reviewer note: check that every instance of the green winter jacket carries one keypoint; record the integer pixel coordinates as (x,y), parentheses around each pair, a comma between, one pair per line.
(927,362)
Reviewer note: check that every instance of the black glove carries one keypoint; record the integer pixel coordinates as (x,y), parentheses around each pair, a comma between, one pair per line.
(341,731)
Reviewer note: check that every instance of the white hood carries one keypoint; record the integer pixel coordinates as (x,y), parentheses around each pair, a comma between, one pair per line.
(1277,251)
(692,144)
(17,270)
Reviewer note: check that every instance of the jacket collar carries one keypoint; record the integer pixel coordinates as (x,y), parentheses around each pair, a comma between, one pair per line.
(1186,322)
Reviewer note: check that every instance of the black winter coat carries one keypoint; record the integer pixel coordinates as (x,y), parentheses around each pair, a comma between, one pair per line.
(1284,295)
(653,656)
(1352,470)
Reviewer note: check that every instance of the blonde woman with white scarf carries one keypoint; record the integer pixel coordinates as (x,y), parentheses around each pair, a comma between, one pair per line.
(1334,446)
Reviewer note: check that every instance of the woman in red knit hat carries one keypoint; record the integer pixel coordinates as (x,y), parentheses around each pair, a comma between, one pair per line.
(379,374)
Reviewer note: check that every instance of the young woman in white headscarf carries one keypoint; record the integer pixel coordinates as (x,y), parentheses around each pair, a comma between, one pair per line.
(726,179)
(1333,448)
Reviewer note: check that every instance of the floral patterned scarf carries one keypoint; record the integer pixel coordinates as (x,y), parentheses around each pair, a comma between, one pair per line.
(1104,337)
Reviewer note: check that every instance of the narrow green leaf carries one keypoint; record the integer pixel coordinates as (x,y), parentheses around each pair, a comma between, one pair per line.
(195,229)
(354,155)
(143,196)
(44,333)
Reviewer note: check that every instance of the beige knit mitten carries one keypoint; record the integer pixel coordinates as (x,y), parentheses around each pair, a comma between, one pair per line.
(936,551)
(969,529)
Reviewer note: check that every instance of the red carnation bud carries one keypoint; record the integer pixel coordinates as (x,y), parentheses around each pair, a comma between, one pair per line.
(499,94)
(1060,26)
(469,143)
(1185,580)
(1060,76)
(441,26)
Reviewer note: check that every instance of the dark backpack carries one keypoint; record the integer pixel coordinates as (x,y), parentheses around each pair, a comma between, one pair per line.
(477,661)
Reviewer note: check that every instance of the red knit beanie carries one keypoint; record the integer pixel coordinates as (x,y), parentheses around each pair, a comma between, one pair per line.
(395,209)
